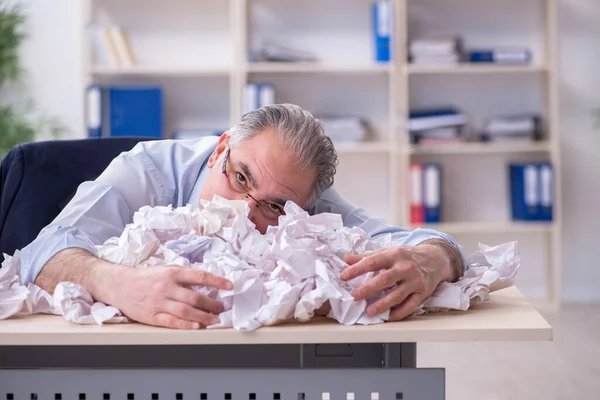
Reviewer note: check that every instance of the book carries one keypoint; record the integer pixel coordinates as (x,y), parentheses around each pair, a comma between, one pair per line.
(107,52)
(122,46)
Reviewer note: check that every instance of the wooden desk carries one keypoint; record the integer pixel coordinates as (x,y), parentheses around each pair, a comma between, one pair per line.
(361,368)
(508,316)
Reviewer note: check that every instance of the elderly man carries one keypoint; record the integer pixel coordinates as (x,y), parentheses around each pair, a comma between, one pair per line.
(275,154)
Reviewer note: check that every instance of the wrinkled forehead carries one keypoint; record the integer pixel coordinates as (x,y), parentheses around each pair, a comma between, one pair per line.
(273,170)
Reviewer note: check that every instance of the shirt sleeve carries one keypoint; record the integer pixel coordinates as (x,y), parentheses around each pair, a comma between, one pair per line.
(331,201)
(99,210)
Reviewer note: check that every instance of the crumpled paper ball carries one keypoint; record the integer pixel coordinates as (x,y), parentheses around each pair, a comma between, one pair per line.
(291,272)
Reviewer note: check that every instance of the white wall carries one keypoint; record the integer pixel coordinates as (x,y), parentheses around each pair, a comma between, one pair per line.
(580,92)
(54,61)
(53,57)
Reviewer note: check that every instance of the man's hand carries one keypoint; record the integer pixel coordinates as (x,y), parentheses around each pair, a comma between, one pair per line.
(412,273)
(162,296)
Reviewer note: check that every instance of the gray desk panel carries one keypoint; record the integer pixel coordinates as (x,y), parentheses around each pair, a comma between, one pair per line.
(226,384)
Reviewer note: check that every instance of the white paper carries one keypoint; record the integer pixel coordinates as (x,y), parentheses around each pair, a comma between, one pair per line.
(490,269)
(291,272)
(12,293)
(76,305)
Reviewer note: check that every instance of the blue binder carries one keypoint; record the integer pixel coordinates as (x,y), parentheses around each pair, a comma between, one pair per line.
(503,56)
(136,111)
(546,180)
(93,117)
(532,192)
(432,193)
(382,30)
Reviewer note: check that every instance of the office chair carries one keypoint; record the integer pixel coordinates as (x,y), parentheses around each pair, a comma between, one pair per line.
(38,179)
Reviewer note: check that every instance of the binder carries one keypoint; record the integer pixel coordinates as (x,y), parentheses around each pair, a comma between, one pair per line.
(382,30)
(501,56)
(251,97)
(417,210)
(432,193)
(266,94)
(93,102)
(546,180)
(525,192)
(135,111)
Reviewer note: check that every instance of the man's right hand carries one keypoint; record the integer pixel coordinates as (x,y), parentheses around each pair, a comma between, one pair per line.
(161,295)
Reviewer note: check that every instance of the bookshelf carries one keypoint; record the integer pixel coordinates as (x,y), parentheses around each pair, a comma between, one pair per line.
(198,51)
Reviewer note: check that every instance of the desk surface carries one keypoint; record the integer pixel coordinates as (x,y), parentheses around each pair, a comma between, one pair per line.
(508,316)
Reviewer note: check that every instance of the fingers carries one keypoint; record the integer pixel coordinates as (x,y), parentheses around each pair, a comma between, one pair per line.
(197,300)
(376,284)
(172,322)
(371,263)
(189,313)
(396,296)
(352,259)
(191,277)
(409,306)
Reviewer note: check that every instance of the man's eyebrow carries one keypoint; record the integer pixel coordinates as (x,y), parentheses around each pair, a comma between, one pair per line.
(246,170)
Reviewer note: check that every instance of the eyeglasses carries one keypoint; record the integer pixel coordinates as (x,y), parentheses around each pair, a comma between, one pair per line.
(238,183)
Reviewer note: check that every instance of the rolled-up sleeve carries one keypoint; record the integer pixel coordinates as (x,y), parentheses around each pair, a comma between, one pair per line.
(333,202)
(99,210)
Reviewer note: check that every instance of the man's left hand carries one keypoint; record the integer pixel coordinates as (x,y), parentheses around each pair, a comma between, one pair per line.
(413,273)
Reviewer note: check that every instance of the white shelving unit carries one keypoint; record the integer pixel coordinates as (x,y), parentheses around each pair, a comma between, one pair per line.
(198,51)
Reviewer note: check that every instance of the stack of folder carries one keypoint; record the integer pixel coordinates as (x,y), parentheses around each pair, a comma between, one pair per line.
(513,128)
(345,129)
(444,51)
(437,126)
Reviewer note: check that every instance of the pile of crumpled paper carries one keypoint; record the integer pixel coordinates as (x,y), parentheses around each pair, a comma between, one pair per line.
(288,273)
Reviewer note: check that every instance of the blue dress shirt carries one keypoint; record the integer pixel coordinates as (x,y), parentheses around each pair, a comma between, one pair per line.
(161,173)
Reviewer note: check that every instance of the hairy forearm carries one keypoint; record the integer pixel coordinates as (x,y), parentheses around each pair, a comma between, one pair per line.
(77,266)
(453,256)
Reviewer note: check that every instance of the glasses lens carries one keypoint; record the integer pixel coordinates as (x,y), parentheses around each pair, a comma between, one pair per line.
(271,210)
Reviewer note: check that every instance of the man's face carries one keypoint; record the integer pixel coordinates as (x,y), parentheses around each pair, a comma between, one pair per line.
(266,169)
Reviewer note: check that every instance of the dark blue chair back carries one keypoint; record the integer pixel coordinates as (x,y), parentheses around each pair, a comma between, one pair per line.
(38,179)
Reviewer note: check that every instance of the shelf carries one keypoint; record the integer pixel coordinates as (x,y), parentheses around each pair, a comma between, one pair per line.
(309,67)
(490,227)
(164,71)
(482,148)
(472,68)
(362,148)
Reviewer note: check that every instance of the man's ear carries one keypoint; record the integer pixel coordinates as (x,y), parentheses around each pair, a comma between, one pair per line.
(221,146)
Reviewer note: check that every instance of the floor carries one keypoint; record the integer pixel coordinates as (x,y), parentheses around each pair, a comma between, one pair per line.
(566,368)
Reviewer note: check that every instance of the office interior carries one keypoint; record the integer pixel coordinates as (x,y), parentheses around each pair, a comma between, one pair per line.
(476,118)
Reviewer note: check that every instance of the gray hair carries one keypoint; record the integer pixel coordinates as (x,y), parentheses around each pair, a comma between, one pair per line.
(300,133)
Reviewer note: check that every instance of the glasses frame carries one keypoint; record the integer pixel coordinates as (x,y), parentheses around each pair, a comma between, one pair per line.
(259,203)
